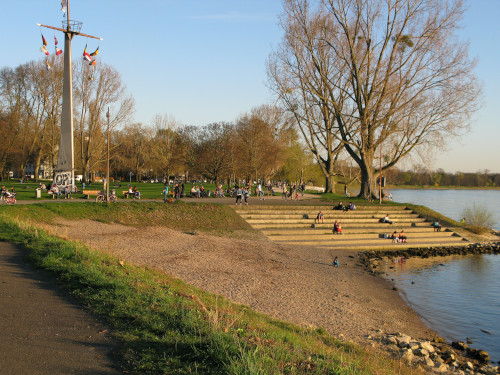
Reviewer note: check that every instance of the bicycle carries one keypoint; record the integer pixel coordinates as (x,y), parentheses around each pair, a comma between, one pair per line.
(9,200)
(102,198)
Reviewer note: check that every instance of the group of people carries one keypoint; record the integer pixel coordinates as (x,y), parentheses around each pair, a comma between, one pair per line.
(293,193)
(58,192)
(5,193)
(198,191)
(133,192)
(242,192)
(340,207)
(399,238)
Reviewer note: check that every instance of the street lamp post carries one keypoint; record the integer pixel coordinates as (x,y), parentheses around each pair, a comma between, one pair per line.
(107,161)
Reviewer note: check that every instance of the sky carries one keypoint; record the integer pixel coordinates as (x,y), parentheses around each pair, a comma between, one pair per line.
(203,61)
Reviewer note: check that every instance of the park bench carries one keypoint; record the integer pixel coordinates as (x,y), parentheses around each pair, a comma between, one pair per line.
(88,193)
(126,194)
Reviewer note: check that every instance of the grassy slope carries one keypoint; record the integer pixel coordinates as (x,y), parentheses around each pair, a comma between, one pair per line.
(167,326)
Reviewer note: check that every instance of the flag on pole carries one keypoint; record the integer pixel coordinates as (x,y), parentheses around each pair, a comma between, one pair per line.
(64,3)
(55,41)
(44,41)
(86,55)
(58,51)
(92,63)
(47,65)
(44,50)
(95,52)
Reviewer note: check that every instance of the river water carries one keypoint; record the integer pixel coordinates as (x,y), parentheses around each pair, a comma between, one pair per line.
(458,296)
(451,202)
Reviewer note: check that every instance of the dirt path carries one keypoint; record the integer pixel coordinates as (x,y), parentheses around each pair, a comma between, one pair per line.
(42,331)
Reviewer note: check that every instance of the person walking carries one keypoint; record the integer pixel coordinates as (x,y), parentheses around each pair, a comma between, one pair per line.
(335,262)
(239,194)
(165,194)
(246,193)
(284,192)
(176,191)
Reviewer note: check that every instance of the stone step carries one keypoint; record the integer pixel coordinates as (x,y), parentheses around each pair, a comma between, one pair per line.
(345,240)
(384,209)
(344,226)
(388,246)
(330,214)
(345,221)
(328,230)
(314,237)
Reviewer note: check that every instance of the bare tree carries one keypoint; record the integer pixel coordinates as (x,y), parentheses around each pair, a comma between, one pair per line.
(259,139)
(396,79)
(212,149)
(163,148)
(95,93)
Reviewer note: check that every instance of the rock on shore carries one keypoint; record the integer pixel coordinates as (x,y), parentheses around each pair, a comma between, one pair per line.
(436,356)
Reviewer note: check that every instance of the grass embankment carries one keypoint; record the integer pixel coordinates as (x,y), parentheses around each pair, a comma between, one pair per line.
(166,326)
(209,218)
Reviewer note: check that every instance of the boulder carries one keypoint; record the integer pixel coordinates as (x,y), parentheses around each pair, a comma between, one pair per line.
(426,345)
(459,345)
(441,368)
(403,341)
(468,365)
(408,356)
(391,340)
(480,355)
(421,352)
(413,345)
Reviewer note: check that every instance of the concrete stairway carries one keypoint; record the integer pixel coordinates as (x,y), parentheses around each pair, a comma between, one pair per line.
(362,229)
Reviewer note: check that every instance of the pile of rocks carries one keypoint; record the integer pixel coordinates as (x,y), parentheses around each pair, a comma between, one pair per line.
(437,356)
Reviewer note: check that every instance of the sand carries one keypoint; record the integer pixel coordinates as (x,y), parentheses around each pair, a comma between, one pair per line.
(292,283)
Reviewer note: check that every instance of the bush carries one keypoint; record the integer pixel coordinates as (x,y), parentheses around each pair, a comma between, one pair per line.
(478,218)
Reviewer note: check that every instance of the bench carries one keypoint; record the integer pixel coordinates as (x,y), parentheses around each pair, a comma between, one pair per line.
(126,194)
(88,193)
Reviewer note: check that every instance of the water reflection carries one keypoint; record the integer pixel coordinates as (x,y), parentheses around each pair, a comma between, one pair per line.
(458,296)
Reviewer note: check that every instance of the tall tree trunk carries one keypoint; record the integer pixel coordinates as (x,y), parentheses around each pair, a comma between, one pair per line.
(368,177)
(330,184)
(37,166)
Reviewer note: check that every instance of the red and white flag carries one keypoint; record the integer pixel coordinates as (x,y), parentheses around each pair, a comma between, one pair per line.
(86,55)
(44,50)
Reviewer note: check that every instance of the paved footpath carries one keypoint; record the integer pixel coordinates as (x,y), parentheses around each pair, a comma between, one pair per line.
(42,331)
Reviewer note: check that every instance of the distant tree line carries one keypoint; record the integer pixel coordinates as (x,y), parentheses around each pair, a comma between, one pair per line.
(262,144)
(419,176)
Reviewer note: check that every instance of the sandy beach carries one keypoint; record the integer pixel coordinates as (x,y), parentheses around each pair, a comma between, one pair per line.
(292,283)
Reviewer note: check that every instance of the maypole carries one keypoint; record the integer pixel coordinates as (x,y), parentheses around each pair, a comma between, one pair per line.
(65,169)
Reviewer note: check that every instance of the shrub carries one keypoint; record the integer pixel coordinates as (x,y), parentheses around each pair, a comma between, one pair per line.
(478,218)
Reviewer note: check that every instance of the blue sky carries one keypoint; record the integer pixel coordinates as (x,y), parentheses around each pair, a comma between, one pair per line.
(203,61)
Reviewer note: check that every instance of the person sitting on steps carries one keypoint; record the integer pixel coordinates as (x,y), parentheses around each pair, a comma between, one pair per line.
(319,217)
(337,229)
(386,219)
(402,236)
(437,226)
(395,237)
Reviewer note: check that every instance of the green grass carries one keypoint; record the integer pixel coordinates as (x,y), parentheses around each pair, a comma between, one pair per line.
(165,326)
(209,218)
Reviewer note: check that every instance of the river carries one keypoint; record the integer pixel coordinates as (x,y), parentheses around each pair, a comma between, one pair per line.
(458,296)
(451,202)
